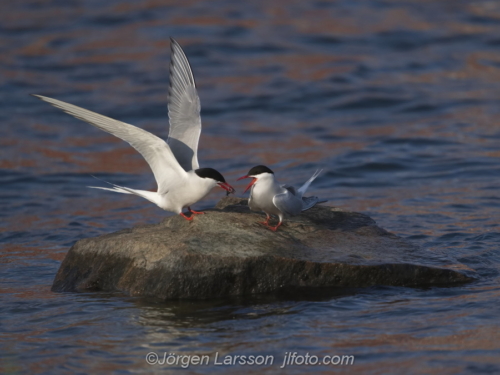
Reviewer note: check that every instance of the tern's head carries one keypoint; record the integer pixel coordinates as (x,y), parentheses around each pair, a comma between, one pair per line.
(212,174)
(256,173)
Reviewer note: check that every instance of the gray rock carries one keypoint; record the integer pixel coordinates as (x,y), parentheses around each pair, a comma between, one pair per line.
(227,253)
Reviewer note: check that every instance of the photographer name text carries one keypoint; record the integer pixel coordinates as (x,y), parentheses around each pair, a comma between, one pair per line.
(289,359)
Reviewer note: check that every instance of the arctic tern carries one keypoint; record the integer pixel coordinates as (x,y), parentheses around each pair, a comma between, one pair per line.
(274,199)
(181,182)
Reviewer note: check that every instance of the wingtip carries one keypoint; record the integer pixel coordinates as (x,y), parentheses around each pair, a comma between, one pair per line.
(174,43)
(180,66)
(43,98)
(174,47)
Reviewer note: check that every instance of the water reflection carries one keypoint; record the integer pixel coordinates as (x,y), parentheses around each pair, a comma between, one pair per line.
(203,313)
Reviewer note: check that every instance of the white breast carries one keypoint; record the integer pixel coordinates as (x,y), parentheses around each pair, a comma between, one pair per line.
(262,194)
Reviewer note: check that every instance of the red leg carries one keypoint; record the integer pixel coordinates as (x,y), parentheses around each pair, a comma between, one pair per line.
(185,217)
(274,229)
(267,220)
(195,212)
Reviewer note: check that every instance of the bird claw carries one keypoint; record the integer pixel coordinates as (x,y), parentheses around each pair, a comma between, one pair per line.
(185,217)
(190,218)
(266,223)
(274,229)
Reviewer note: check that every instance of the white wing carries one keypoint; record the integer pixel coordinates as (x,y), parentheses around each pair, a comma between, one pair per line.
(304,187)
(183,110)
(288,203)
(156,152)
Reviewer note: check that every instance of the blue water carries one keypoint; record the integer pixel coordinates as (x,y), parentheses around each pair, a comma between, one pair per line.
(396,100)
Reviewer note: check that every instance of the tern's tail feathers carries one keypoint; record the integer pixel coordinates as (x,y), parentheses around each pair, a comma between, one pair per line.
(149,195)
(304,187)
(310,202)
(115,189)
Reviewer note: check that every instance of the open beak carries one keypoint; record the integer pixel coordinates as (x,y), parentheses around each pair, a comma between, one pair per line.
(250,184)
(226,187)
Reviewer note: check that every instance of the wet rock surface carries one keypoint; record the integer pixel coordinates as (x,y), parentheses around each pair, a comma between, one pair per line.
(226,252)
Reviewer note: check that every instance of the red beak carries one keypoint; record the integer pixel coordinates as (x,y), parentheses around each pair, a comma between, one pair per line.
(226,187)
(250,184)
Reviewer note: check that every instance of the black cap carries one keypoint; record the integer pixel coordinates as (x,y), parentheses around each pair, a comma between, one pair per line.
(259,169)
(210,173)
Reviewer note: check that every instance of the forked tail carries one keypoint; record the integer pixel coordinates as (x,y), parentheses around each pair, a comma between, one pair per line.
(304,187)
(149,195)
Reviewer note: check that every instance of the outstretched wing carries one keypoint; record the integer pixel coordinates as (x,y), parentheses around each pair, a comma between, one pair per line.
(156,152)
(183,110)
(288,203)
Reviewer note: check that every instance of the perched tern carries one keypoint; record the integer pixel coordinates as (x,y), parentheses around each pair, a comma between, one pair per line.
(274,199)
(181,182)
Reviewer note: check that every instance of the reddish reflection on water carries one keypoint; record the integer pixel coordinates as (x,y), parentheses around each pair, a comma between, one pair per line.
(395,100)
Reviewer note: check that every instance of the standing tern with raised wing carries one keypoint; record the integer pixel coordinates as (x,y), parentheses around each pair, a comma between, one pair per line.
(274,199)
(181,182)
